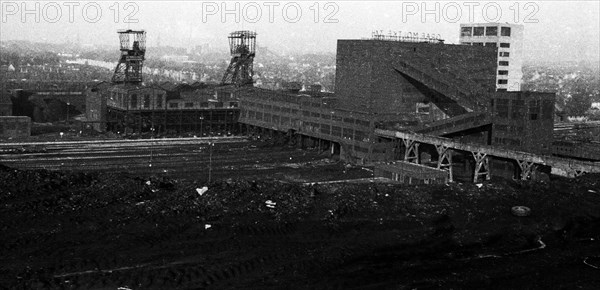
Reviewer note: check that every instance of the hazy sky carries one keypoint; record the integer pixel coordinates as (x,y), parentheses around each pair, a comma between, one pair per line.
(554,30)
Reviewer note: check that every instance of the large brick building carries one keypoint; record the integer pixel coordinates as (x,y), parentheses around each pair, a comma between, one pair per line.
(373,76)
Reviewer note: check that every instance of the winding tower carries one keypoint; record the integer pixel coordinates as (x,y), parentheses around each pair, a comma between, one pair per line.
(133,51)
(242,45)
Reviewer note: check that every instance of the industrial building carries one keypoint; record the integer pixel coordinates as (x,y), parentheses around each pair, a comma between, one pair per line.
(127,105)
(394,95)
(508,38)
(398,101)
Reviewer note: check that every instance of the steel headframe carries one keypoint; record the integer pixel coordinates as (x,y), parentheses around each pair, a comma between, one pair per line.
(242,46)
(133,51)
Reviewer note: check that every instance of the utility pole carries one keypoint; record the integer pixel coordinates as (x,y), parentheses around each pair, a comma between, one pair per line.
(211,145)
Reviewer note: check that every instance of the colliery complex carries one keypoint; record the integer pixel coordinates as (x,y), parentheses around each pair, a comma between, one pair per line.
(400,103)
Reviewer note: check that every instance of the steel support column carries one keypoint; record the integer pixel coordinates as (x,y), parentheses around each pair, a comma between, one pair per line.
(411,154)
(482,166)
(445,160)
(526,169)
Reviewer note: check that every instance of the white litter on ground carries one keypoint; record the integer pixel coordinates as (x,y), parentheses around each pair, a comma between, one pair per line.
(270,204)
(207,226)
(202,190)
(479,185)
(148,183)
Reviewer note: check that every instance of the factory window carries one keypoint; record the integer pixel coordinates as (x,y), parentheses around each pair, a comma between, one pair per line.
(326,117)
(219,105)
(315,115)
(325,129)
(159,101)
(503,72)
(363,123)
(491,44)
(174,105)
(502,82)
(306,113)
(477,43)
(204,105)
(259,115)
(285,120)
(505,31)
(534,109)
(349,120)
(267,117)
(336,118)
(133,101)
(518,109)
(504,54)
(502,108)
(491,31)
(503,63)
(336,131)
(189,105)
(478,31)
(505,45)
(147,101)
(348,133)
(276,119)
(547,107)
(359,135)
(466,31)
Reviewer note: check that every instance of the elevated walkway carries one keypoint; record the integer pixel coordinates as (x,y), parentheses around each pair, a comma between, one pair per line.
(481,153)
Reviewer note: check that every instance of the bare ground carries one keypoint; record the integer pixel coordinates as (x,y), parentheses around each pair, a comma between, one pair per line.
(104,230)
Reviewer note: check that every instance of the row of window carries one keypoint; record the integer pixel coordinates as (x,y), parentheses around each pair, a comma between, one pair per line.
(518,109)
(507,128)
(176,105)
(507,141)
(337,131)
(494,44)
(307,113)
(484,31)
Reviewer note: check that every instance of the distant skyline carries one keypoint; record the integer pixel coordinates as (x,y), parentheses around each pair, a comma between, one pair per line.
(565,30)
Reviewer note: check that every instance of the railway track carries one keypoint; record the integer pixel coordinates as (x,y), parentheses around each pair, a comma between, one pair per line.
(183,158)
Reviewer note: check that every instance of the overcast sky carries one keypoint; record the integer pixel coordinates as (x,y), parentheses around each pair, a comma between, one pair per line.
(554,30)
